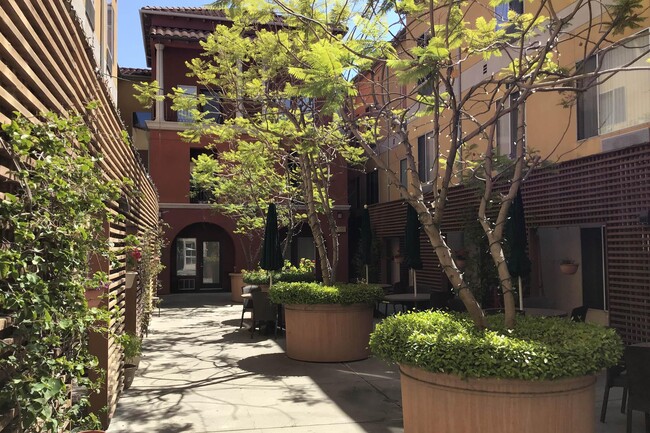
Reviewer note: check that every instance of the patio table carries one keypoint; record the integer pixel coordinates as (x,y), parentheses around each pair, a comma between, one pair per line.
(418,301)
(544,312)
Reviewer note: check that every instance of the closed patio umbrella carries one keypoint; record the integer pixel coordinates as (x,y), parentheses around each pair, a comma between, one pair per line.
(366,240)
(516,236)
(272,259)
(412,244)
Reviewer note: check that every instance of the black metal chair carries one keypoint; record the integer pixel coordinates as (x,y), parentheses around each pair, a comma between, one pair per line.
(247,305)
(579,314)
(637,360)
(438,299)
(456,304)
(264,312)
(614,377)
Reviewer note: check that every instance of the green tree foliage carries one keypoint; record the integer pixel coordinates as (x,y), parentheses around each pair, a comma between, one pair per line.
(279,116)
(52,226)
(317,45)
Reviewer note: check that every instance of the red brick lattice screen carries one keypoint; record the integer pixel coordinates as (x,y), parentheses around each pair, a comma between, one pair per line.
(610,189)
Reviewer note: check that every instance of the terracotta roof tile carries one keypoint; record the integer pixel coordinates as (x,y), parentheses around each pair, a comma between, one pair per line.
(187,10)
(137,72)
(175,33)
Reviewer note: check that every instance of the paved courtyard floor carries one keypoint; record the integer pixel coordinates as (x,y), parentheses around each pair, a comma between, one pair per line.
(201,373)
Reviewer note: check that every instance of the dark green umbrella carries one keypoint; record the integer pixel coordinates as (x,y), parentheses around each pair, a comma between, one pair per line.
(366,240)
(412,243)
(516,236)
(272,259)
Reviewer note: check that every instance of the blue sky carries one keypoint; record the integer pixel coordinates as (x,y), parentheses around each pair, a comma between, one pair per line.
(130,49)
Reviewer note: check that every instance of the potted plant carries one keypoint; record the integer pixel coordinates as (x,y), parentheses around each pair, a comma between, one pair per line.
(459,378)
(568,266)
(258,277)
(303,272)
(132,347)
(327,323)
(133,258)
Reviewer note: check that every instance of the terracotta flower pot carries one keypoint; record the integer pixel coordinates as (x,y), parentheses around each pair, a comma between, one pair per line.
(445,403)
(236,284)
(568,268)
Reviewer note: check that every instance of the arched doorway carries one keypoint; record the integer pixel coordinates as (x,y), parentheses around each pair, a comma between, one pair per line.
(202,256)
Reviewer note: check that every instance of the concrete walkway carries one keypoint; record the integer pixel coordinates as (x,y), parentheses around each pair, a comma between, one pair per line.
(201,373)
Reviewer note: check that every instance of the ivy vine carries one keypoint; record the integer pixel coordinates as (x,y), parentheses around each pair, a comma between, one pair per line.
(52,220)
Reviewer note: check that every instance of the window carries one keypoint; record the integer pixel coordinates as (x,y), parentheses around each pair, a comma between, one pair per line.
(197,193)
(213,107)
(186,256)
(110,36)
(424,159)
(372,187)
(186,115)
(425,84)
(501,10)
(90,13)
(507,128)
(402,172)
(620,101)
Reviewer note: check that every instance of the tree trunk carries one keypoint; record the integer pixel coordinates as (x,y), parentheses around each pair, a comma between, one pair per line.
(306,171)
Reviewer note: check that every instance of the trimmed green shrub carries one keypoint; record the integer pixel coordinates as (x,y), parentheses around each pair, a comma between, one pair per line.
(289,273)
(537,349)
(316,293)
(256,276)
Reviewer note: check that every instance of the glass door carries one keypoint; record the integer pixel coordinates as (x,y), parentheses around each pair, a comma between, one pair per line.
(210,265)
(186,264)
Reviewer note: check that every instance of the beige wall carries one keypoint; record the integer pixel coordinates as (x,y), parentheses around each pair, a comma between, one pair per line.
(97,34)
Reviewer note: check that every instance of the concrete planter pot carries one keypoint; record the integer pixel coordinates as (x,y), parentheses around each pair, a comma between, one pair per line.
(328,333)
(129,374)
(131,278)
(236,284)
(445,403)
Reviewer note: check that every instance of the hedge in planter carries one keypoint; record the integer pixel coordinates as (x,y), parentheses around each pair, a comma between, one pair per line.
(542,371)
(327,323)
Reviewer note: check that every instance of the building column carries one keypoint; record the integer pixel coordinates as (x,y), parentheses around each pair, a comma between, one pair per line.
(160,104)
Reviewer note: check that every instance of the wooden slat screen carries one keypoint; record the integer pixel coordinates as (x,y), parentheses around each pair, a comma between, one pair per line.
(46,63)
(610,189)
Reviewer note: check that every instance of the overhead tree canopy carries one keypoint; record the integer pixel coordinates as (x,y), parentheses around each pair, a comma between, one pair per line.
(312,78)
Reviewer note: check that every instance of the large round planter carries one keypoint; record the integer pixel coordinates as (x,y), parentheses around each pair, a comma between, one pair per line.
(444,403)
(328,333)
(236,284)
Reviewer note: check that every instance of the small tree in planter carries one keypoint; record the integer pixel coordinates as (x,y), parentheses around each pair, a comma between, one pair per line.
(327,323)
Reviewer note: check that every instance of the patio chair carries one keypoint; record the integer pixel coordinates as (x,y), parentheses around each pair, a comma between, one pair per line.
(248,303)
(579,314)
(264,312)
(438,299)
(637,359)
(614,377)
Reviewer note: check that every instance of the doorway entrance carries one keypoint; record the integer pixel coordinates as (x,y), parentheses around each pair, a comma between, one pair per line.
(201,259)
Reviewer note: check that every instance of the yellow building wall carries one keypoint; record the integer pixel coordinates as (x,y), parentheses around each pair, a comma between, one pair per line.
(551,126)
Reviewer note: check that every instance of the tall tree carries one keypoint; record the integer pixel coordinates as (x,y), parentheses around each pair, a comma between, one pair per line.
(399,78)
